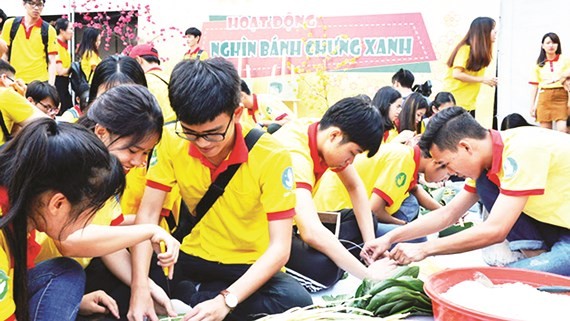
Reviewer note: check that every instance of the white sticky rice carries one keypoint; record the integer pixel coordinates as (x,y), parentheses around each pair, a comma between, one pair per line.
(511,301)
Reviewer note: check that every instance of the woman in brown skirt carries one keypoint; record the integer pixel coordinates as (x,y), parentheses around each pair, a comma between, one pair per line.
(549,99)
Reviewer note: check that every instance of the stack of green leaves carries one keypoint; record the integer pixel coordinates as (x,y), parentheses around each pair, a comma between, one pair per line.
(401,293)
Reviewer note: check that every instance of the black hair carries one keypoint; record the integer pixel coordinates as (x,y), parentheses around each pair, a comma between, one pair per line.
(541,60)
(40,159)
(407,116)
(88,42)
(126,111)
(514,120)
(5,68)
(193,31)
(38,90)
(201,90)
(404,77)
(448,127)
(441,98)
(61,24)
(3,17)
(116,70)
(382,100)
(359,121)
(151,59)
(245,87)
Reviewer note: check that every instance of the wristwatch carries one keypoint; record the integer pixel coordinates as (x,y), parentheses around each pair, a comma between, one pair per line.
(230,299)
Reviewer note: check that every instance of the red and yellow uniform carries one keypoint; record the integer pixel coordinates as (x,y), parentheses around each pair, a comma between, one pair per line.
(89,61)
(266,107)
(552,100)
(193,54)
(64,57)
(235,229)
(157,83)
(391,174)
(533,162)
(110,214)
(7,304)
(300,138)
(389,135)
(465,93)
(28,55)
(134,191)
(15,109)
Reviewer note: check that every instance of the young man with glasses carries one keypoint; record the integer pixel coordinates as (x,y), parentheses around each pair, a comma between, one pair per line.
(44,96)
(27,51)
(14,108)
(236,251)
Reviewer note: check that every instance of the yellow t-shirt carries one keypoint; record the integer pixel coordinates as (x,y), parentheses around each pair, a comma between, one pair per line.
(465,93)
(88,60)
(235,229)
(300,138)
(391,174)
(157,82)
(7,304)
(28,53)
(533,161)
(15,109)
(110,214)
(134,191)
(64,57)
(548,76)
(195,53)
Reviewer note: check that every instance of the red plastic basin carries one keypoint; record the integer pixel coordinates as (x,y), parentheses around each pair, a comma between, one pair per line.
(440,282)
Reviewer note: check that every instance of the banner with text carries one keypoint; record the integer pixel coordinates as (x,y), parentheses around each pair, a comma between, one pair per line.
(265,45)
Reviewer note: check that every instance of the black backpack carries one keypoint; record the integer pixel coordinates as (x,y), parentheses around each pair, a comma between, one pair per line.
(44,32)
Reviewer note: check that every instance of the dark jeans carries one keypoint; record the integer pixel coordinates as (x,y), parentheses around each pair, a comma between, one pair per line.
(55,289)
(313,268)
(279,294)
(530,234)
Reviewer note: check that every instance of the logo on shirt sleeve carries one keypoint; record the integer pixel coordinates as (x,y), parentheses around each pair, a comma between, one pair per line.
(287,178)
(401,179)
(3,285)
(510,167)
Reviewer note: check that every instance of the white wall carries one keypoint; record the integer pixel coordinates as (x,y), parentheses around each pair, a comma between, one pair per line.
(523,23)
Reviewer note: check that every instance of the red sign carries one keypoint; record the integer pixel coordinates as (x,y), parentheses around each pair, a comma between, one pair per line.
(271,44)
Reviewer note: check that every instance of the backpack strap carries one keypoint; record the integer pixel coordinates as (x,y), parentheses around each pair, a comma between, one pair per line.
(44,32)
(199,54)
(157,76)
(15,25)
(5,131)
(216,189)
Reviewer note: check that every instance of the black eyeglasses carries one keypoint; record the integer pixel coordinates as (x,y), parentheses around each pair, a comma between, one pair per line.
(35,4)
(9,78)
(50,109)
(213,137)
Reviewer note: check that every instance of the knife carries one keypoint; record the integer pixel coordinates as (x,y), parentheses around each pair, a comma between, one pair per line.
(165,269)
